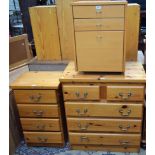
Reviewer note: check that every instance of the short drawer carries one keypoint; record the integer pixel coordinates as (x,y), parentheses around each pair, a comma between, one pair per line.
(105,139)
(81,92)
(104,125)
(33,124)
(26,110)
(35,96)
(43,137)
(103,11)
(83,109)
(125,93)
(99,24)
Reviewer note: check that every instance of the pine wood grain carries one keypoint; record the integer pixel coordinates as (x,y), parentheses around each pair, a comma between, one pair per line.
(45,32)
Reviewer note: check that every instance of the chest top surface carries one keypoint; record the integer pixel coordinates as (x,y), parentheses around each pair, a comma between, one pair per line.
(37,80)
(100,2)
(134,73)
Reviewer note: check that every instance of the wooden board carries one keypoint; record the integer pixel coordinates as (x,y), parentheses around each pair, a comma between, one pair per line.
(19,51)
(134,73)
(37,80)
(45,32)
(132,33)
(65,23)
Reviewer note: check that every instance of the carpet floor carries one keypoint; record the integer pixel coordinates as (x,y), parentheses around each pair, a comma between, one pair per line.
(23,149)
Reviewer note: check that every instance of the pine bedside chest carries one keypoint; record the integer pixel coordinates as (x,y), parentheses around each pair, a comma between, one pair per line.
(104,111)
(37,95)
(99,28)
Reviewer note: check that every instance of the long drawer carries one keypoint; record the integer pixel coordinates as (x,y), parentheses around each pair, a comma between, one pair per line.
(125,93)
(104,125)
(99,109)
(105,139)
(81,92)
(106,148)
(35,110)
(99,24)
(35,96)
(36,124)
(103,11)
(43,137)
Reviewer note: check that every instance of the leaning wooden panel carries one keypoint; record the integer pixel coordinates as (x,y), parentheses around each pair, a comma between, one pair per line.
(45,32)
(65,23)
(132,31)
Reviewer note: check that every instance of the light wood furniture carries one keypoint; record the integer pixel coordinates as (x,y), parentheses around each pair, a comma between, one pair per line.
(132,31)
(104,111)
(100,34)
(45,32)
(38,98)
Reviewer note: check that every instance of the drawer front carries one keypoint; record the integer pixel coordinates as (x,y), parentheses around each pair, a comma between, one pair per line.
(99,24)
(125,93)
(81,92)
(104,11)
(35,96)
(82,109)
(105,139)
(43,137)
(32,124)
(35,110)
(103,125)
(97,44)
(106,148)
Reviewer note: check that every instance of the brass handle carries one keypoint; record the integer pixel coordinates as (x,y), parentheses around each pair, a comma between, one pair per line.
(123,113)
(38,113)
(125,96)
(81,113)
(43,139)
(84,138)
(40,126)
(124,143)
(99,37)
(35,98)
(98,25)
(84,127)
(124,128)
(84,95)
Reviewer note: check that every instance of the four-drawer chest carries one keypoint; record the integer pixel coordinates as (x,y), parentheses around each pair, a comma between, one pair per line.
(100,33)
(104,111)
(38,98)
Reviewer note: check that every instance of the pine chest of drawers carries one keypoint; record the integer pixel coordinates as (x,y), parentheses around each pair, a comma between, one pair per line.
(100,28)
(38,97)
(104,111)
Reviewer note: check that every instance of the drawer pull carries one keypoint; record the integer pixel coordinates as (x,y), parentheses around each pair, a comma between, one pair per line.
(99,37)
(84,95)
(83,128)
(125,96)
(98,25)
(124,128)
(84,138)
(42,139)
(124,143)
(125,112)
(41,127)
(82,113)
(38,113)
(36,98)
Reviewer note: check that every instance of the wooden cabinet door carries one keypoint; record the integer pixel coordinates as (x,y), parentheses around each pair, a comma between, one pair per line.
(100,51)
